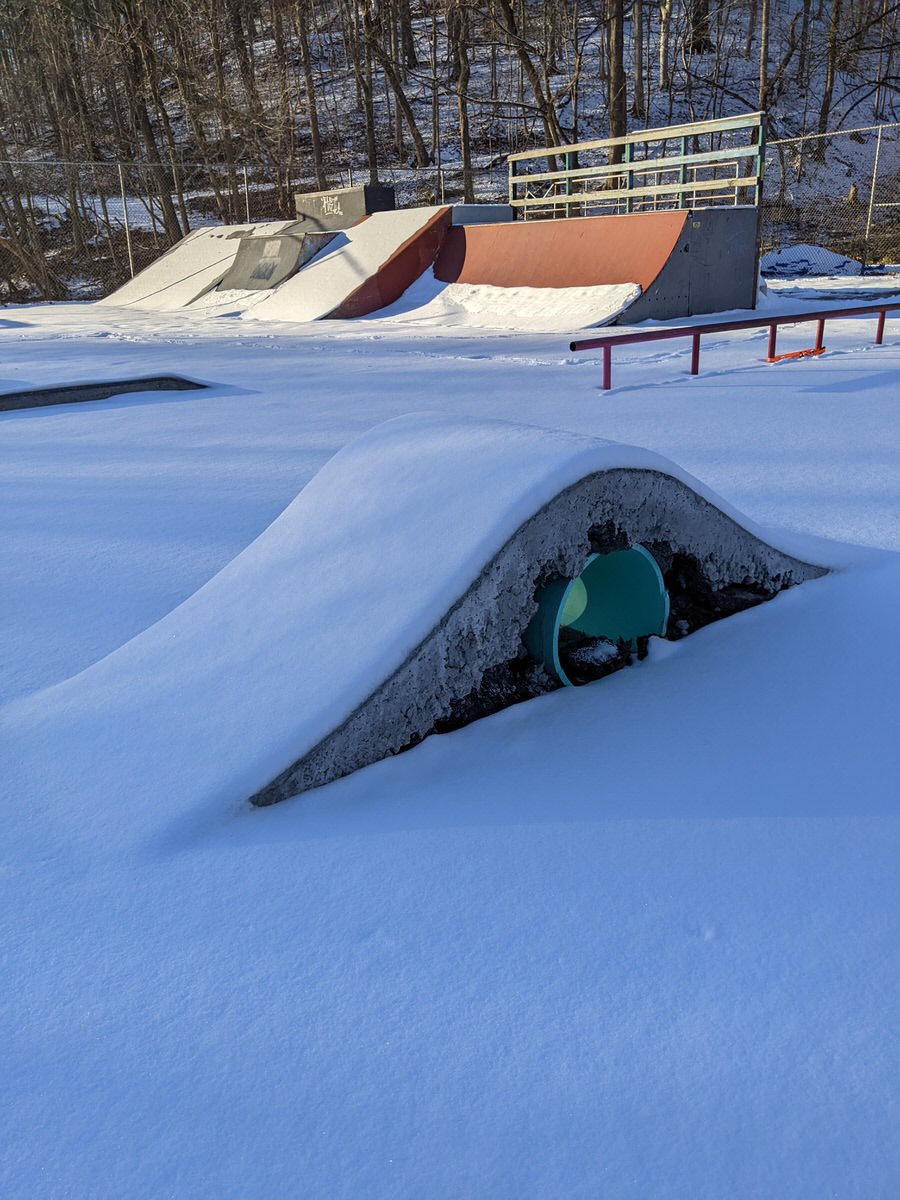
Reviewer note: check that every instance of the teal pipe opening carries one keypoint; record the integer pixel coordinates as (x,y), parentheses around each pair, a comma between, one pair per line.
(618,597)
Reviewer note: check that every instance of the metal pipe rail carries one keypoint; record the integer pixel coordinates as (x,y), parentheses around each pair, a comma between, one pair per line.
(695,332)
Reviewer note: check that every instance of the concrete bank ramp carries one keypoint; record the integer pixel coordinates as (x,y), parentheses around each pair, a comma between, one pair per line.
(190,269)
(265,262)
(366,267)
(391,596)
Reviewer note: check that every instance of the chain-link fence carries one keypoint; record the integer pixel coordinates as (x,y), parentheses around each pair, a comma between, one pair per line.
(79,230)
(76,230)
(832,203)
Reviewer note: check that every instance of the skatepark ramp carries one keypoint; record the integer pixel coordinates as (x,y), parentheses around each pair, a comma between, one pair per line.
(363,269)
(566,273)
(190,269)
(361,620)
(283,271)
(684,261)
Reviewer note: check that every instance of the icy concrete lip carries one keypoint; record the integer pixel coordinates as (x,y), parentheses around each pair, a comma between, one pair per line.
(79,393)
(378,600)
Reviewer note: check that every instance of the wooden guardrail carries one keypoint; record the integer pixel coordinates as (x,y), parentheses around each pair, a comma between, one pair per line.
(637,173)
(695,332)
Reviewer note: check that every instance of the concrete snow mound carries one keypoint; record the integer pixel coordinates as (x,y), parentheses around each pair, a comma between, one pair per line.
(574,496)
(378,602)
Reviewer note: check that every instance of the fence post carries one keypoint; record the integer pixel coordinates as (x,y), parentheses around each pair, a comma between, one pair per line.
(125,217)
(246,195)
(865,254)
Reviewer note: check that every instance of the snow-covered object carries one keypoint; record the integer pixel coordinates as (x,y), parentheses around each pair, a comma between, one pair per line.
(430,302)
(190,269)
(348,263)
(403,571)
(803,260)
(632,940)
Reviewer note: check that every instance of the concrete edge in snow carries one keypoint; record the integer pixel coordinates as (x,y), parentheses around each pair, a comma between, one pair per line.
(473,662)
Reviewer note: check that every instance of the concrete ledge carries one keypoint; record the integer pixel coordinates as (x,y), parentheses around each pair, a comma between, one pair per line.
(79,393)
(481,214)
(341,207)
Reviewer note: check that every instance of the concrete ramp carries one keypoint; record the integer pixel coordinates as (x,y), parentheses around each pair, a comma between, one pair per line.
(366,267)
(191,268)
(265,262)
(365,617)
(684,262)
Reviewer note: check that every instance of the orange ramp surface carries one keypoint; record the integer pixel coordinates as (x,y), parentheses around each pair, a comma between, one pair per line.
(684,261)
(579,252)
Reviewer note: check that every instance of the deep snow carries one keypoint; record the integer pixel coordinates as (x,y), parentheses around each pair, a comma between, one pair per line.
(632,940)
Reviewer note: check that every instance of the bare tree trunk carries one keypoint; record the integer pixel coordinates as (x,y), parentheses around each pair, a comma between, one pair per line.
(508,23)
(638,101)
(831,54)
(458,33)
(616,96)
(699,40)
(309,86)
(390,73)
(803,63)
(369,115)
(665,22)
(763,99)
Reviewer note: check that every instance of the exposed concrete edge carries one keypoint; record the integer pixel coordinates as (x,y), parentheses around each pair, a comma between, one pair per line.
(78,393)
(481,214)
(679,289)
(402,268)
(648,306)
(707,558)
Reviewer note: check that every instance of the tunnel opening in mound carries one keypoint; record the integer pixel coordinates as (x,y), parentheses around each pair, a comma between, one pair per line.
(586,626)
(699,565)
(599,622)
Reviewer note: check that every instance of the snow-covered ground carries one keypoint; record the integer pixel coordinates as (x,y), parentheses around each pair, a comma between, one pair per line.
(632,940)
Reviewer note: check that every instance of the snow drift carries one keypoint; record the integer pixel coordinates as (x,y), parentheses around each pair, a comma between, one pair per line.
(380,598)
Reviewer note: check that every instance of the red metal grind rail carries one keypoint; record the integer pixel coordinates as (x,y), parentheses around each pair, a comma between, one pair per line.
(695,332)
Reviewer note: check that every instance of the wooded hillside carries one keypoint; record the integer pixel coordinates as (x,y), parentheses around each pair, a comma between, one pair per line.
(303,89)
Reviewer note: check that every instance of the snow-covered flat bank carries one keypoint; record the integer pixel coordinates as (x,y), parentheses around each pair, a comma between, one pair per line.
(632,940)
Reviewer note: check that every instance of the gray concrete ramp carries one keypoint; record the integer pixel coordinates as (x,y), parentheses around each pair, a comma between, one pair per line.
(365,268)
(190,269)
(266,262)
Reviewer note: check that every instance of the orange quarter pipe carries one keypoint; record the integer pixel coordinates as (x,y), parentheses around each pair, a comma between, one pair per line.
(579,252)
(685,261)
